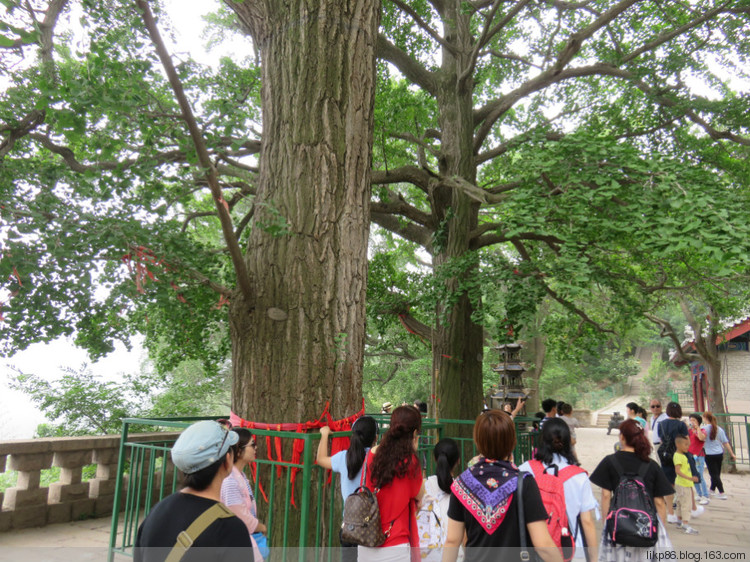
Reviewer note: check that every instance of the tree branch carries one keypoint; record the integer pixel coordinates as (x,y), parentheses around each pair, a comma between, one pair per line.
(669,35)
(243,278)
(411,174)
(667,331)
(423,25)
(74,164)
(396,205)
(407,230)
(408,66)
(481,240)
(488,34)
(30,122)
(563,301)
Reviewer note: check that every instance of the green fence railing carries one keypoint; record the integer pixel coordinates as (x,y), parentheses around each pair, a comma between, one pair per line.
(737,428)
(145,475)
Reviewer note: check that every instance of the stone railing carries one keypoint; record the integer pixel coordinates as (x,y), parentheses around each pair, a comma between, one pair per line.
(28,504)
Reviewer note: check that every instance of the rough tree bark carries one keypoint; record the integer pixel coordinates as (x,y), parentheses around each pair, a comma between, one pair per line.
(457,340)
(299,341)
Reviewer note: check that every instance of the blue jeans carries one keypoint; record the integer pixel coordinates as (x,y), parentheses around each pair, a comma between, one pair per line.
(700,487)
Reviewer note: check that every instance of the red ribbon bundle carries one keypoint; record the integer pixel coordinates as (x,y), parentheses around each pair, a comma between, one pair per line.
(298,447)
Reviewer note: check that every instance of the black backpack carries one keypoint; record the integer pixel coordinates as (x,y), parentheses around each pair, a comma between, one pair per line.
(667,448)
(632,519)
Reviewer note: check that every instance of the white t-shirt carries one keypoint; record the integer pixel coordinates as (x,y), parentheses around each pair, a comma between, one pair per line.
(653,425)
(578,498)
(432,520)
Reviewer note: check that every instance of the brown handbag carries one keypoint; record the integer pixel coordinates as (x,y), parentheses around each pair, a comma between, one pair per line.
(361,524)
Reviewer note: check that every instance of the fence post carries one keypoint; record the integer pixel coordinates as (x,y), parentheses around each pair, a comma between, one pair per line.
(305,499)
(118,493)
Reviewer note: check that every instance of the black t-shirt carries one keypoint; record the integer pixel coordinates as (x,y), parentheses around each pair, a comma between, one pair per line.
(505,536)
(671,428)
(224,540)
(605,475)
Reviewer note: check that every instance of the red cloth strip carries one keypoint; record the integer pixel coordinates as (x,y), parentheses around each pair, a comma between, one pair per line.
(298,447)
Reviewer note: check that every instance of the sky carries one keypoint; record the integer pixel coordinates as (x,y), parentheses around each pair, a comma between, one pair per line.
(18,415)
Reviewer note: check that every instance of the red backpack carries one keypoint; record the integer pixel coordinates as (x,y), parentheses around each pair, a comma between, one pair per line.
(553,496)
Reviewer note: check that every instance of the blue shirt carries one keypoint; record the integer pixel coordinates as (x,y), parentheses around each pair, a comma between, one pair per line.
(714,446)
(338,464)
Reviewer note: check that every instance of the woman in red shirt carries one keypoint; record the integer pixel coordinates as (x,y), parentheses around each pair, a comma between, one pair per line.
(393,470)
(697,437)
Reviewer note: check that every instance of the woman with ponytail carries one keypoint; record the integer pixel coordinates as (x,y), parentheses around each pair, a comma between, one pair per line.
(432,519)
(394,473)
(635,449)
(714,445)
(348,464)
(555,454)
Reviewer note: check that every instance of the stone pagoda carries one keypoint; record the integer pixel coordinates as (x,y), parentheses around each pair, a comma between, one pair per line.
(510,371)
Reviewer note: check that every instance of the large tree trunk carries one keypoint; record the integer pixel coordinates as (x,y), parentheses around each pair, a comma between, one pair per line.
(458,340)
(715,389)
(300,343)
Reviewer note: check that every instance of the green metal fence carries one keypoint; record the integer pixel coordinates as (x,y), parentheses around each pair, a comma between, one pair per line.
(737,428)
(145,475)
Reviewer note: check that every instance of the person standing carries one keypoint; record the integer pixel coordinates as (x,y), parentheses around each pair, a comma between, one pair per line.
(202,454)
(697,439)
(393,470)
(237,493)
(550,411)
(633,454)
(716,442)
(668,431)
(348,464)
(683,486)
(657,416)
(573,424)
(432,518)
(482,512)
(555,452)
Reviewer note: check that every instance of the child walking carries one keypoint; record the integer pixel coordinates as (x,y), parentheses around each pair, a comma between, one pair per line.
(683,485)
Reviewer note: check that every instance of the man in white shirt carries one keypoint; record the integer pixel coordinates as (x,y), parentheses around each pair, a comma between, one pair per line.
(656,418)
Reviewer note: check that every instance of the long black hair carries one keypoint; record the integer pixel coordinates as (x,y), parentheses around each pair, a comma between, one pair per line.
(446,456)
(555,439)
(364,433)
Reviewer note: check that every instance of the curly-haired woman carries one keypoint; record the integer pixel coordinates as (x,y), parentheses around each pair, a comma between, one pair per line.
(393,470)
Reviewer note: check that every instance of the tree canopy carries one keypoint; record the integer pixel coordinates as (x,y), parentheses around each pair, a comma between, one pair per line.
(591,153)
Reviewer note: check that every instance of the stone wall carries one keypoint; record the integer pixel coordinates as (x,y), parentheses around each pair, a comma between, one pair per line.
(29,505)
(738,366)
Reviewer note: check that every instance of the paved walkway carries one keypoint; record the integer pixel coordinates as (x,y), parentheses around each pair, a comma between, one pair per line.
(725,524)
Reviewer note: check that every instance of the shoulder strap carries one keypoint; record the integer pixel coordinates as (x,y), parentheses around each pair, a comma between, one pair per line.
(363,478)
(521,518)
(187,537)
(570,471)
(537,468)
